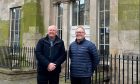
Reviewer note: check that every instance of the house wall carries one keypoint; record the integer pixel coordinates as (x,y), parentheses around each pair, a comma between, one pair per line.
(128,26)
(124,33)
(4,32)
(31,27)
(124,27)
(37,15)
(5,6)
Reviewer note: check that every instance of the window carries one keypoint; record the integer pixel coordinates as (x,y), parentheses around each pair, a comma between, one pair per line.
(15,28)
(104,16)
(80,12)
(59,19)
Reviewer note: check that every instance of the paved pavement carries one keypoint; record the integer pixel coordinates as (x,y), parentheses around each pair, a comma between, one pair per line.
(28,81)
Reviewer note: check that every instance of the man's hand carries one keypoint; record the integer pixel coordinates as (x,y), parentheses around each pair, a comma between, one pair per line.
(51,66)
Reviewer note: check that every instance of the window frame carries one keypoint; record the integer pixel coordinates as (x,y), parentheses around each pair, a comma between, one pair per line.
(105,27)
(59,18)
(15,18)
(77,13)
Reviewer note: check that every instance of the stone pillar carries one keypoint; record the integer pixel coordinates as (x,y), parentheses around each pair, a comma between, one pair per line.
(114,38)
(46,14)
(93,21)
(66,26)
(114,26)
(53,12)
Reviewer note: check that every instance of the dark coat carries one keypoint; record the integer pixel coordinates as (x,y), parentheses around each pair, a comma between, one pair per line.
(84,58)
(46,54)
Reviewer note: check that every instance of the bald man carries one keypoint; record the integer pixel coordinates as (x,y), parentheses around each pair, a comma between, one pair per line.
(50,54)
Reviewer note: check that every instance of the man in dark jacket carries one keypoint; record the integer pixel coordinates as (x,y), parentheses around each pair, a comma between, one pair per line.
(84,58)
(50,54)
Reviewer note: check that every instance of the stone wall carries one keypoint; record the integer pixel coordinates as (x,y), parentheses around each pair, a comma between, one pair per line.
(124,26)
(128,26)
(17,76)
(5,6)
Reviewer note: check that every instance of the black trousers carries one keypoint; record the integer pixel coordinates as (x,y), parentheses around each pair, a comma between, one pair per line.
(51,78)
(80,80)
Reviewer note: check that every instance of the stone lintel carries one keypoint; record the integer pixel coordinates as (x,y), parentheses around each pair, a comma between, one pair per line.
(61,1)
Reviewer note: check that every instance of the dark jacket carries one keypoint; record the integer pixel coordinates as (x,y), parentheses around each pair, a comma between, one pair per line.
(84,58)
(46,54)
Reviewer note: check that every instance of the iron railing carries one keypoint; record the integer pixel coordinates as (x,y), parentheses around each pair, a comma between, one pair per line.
(17,57)
(115,69)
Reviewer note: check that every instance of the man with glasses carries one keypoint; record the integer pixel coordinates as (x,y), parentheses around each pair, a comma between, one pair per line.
(84,58)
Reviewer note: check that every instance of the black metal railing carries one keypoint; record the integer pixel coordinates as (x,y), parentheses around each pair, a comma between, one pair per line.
(17,57)
(115,69)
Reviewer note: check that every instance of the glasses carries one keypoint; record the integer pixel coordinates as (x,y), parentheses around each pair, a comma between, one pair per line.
(79,32)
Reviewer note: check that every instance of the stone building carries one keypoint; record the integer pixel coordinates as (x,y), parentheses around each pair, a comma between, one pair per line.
(113,25)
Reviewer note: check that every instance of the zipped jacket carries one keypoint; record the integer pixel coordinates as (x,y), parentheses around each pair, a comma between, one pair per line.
(45,54)
(84,58)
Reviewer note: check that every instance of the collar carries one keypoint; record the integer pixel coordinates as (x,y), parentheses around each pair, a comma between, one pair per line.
(80,41)
(56,40)
(51,39)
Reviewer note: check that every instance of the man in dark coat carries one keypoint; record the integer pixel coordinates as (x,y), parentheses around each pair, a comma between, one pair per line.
(50,54)
(84,58)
